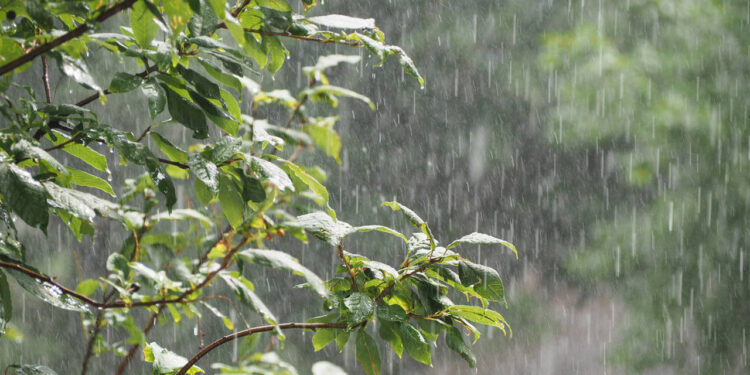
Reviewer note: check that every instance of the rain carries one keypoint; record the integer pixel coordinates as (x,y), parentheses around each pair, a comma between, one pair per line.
(607,140)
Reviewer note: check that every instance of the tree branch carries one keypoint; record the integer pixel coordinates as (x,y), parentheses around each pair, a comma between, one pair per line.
(75,33)
(45,79)
(253,330)
(348,266)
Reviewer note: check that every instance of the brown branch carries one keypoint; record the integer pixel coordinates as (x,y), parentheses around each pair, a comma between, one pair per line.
(348,266)
(253,330)
(73,34)
(90,344)
(45,79)
(421,268)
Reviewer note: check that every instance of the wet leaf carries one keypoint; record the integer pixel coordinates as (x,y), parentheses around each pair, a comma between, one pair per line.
(367,353)
(281,260)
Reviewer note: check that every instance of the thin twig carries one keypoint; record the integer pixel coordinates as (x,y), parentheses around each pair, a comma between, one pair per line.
(73,34)
(348,266)
(253,330)
(131,352)
(45,79)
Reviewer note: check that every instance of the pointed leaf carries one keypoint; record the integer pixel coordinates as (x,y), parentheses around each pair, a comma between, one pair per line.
(482,239)
(281,260)
(367,353)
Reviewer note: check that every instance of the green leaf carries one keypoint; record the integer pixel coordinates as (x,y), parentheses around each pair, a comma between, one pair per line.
(39,12)
(78,70)
(413,219)
(182,214)
(485,280)
(82,205)
(327,139)
(170,150)
(204,194)
(47,292)
(325,228)
(6,305)
(219,7)
(273,174)
(231,201)
(341,339)
(82,178)
(23,149)
(205,171)
(252,189)
(119,265)
(316,91)
(391,313)
(310,181)
(124,82)
(85,154)
(454,341)
(142,23)
(164,361)
(187,113)
(87,287)
(276,53)
(479,315)
(243,288)
(24,195)
(31,370)
(367,353)
(338,21)
(360,307)
(204,85)
(227,322)
(414,343)
(323,337)
(388,331)
(155,96)
(482,239)
(281,260)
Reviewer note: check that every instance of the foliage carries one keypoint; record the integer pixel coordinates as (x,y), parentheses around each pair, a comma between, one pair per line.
(195,59)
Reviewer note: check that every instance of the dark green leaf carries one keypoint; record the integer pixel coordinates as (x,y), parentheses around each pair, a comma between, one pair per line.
(186,113)
(6,306)
(454,341)
(367,353)
(124,82)
(486,281)
(388,331)
(204,85)
(392,313)
(414,343)
(24,195)
(252,189)
(156,97)
(360,307)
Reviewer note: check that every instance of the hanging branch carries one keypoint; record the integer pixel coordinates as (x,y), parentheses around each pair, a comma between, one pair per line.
(75,33)
(253,330)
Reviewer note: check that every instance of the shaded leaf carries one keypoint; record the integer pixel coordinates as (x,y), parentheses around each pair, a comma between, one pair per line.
(24,195)
(367,353)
